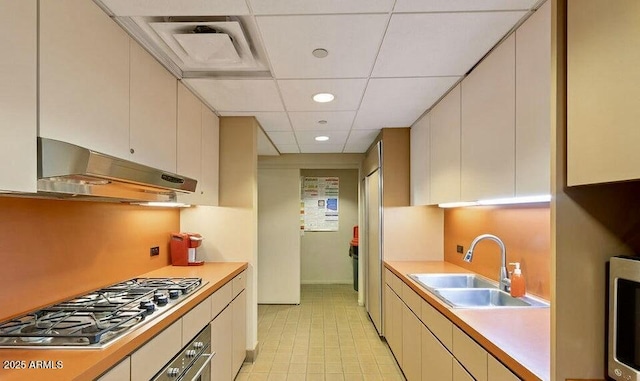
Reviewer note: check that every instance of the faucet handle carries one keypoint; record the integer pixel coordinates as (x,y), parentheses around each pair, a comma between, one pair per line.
(468,256)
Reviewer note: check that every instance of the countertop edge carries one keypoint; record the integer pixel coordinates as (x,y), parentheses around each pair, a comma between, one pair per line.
(513,365)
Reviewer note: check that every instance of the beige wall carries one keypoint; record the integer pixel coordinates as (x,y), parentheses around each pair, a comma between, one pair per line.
(324,255)
(230,231)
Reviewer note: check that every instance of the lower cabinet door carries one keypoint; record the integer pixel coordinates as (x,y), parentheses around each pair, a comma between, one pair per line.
(437,361)
(411,351)
(459,373)
(221,344)
(239,305)
(498,372)
(120,372)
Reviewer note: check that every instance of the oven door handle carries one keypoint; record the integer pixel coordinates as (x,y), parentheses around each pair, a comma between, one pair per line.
(202,362)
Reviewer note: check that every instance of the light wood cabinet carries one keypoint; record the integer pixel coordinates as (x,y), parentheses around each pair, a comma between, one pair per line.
(156,353)
(498,372)
(459,373)
(195,320)
(471,355)
(120,372)
(411,342)
(210,158)
(153,100)
(387,315)
(239,308)
(189,133)
(221,299)
(533,104)
(487,126)
(438,324)
(445,149)
(84,77)
(221,343)
(603,49)
(239,283)
(437,361)
(18,95)
(419,162)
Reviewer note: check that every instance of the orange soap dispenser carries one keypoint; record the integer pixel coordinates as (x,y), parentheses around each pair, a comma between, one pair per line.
(517,281)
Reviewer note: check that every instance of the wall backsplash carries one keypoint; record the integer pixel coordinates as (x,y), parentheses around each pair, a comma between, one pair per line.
(525,231)
(53,249)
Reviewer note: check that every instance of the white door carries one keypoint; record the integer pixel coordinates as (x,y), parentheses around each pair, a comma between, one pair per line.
(279,236)
(374,257)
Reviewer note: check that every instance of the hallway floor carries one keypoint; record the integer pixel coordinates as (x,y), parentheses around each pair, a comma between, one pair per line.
(327,337)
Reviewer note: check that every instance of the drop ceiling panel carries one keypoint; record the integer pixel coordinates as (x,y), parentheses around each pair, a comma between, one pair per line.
(440,44)
(461,5)
(283,7)
(335,120)
(238,94)
(288,148)
(177,8)
(318,148)
(360,140)
(270,121)
(297,94)
(398,102)
(265,147)
(282,137)
(351,40)
(335,137)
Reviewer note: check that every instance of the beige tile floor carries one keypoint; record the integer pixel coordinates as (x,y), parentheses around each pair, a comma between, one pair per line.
(327,337)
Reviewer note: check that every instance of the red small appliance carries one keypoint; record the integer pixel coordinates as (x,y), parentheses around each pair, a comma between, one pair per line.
(183,249)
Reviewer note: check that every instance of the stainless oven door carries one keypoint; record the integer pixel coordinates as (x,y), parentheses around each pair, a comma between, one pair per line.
(200,370)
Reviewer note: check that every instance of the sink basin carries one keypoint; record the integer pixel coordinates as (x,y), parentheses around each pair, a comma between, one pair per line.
(435,281)
(484,298)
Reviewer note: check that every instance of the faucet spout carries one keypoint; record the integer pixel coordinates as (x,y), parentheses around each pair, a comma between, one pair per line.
(504,280)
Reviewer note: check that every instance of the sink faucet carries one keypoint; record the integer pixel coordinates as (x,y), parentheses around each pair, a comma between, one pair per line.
(505,282)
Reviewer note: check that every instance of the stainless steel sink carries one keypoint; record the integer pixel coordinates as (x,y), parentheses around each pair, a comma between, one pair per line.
(435,281)
(484,298)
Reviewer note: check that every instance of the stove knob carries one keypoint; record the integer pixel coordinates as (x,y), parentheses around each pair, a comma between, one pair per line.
(162,300)
(191,353)
(198,345)
(174,294)
(173,372)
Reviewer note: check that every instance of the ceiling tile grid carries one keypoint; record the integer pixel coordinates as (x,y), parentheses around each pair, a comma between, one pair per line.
(387,61)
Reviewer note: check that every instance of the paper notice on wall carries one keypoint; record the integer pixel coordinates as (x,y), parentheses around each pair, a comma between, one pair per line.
(319,206)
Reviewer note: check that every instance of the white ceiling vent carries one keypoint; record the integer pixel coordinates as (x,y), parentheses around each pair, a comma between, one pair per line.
(206,45)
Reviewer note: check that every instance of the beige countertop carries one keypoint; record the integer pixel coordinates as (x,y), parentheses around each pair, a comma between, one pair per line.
(519,338)
(83,364)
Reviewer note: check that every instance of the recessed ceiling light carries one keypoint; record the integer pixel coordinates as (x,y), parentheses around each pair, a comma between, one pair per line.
(322,121)
(320,53)
(323,97)
(322,138)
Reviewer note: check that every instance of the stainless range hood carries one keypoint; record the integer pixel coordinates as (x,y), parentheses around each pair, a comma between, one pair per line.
(69,171)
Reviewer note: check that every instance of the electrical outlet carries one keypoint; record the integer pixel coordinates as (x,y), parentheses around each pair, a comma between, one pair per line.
(460,249)
(155,251)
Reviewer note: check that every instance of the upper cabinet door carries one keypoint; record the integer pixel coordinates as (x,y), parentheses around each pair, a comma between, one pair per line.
(84,77)
(189,133)
(210,157)
(153,111)
(533,104)
(18,95)
(603,51)
(419,162)
(445,149)
(488,131)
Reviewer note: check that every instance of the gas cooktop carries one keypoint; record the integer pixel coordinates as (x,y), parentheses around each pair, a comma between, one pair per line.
(97,318)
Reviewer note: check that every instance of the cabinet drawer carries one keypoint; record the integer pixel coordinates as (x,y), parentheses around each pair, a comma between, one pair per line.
(498,372)
(459,374)
(239,283)
(220,299)
(195,320)
(120,372)
(437,323)
(471,355)
(388,276)
(155,354)
(396,284)
(411,299)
